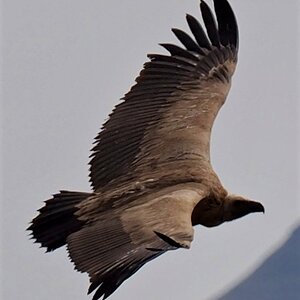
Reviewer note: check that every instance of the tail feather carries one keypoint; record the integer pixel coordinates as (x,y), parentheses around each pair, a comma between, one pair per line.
(57,219)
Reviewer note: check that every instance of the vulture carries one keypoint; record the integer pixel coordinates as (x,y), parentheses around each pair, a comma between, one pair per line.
(150,169)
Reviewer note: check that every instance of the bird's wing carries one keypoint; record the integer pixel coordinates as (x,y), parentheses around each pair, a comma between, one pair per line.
(114,248)
(168,114)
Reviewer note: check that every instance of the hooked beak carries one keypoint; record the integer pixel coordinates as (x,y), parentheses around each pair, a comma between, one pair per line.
(255,206)
(241,207)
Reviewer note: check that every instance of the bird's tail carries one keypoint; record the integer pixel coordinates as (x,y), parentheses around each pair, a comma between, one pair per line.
(56,219)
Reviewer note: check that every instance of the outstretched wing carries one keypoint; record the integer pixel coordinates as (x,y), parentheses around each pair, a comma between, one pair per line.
(115,247)
(168,114)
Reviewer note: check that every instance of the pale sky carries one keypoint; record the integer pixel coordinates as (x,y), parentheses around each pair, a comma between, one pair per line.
(66,64)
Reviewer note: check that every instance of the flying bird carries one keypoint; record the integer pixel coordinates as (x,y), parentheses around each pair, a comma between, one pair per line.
(150,169)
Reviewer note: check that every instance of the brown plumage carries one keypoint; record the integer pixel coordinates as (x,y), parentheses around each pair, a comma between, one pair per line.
(150,169)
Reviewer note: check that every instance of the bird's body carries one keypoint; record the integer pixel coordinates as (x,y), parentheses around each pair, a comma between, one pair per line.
(151,172)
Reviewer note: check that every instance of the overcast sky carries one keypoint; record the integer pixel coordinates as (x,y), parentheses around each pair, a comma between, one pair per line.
(66,64)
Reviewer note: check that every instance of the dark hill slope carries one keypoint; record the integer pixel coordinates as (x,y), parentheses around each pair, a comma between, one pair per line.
(278,278)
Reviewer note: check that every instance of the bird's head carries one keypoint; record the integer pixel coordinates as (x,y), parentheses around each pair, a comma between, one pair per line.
(212,212)
(235,207)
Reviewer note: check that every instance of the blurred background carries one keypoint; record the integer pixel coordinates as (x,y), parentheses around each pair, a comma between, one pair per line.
(65,65)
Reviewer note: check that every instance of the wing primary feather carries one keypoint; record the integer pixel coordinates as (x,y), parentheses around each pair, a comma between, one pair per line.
(187,41)
(178,51)
(210,24)
(227,24)
(198,32)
